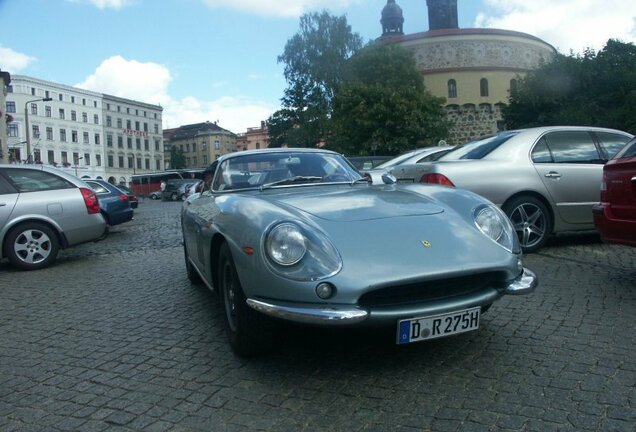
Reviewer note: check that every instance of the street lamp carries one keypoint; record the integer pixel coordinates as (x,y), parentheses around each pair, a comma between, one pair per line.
(26,124)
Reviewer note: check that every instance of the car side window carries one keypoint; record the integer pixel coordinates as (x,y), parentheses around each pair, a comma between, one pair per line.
(611,143)
(573,147)
(629,150)
(5,187)
(541,152)
(34,180)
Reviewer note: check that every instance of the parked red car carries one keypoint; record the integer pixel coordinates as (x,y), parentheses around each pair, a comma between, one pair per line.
(615,215)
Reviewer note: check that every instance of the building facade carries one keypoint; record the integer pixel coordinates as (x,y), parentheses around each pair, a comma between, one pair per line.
(202,143)
(255,138)
(80,131)
(5,118)
(475,70)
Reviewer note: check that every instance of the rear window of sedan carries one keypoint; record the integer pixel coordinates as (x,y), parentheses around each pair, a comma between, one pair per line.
(628,151)
(480,148)
(34,181)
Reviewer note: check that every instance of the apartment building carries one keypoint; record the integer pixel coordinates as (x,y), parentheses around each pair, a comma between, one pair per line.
(202,143)
(80,131)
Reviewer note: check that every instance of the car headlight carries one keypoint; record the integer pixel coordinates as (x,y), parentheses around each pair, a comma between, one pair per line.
(495,224)
(299,252)
(285,244)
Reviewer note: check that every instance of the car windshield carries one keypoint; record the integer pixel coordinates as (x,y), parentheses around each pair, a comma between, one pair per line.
(478,149)
(280,169)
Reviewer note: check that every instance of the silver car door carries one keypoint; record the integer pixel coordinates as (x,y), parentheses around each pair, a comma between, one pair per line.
(571,168)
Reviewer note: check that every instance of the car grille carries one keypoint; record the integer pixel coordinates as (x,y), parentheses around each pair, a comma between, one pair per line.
(432,290)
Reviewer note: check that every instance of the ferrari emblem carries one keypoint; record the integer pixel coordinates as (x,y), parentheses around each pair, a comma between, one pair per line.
(427,244)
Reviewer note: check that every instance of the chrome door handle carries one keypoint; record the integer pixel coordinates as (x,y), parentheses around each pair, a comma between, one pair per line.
(553,174)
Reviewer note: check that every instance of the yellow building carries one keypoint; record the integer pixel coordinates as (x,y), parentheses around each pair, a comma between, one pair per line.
(201,143)
(473,69)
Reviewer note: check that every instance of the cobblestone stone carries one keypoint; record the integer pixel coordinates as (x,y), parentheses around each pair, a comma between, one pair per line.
(115,338)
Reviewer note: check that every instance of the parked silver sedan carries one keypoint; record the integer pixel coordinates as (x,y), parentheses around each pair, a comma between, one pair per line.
(545,179)
(405,167)
(43,209)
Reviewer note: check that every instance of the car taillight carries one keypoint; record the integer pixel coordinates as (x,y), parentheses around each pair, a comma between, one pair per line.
(604,188)
(123,197)
(90,199)
(439,179)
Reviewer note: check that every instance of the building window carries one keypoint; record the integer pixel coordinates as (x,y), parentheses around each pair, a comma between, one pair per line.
(157,145)
(147,162)
(10,106)
(129,143)
(110,161)
(483,87)
(83,101)
(12,130)
(72,99)
(34,109)
(85,117)
(119,123)
(35,129)
(217,145)
(145,127)
(138,163)
(47,111)
(156,128)
(76,158)
(62,114)
(452,88)
(96,119)
(86,138)
(514,87)
(138,144)
(205,160)
(120,141)
(158,165)
(50,156)
(109,140)
(109,121)
(49,133)
(47,94)
(128,124)
(74,136)
(87,158)
(74,115)
(137,125)
(64,157)
(60,97)
(98,160)
(63,135)
(32,91)
(121,162)
(130,162)
(97,139)
(146,145)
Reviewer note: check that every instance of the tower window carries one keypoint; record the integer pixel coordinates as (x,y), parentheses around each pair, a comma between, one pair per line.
(452,88)
(483,87)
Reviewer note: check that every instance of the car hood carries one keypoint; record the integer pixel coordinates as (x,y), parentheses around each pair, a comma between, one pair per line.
(358,204)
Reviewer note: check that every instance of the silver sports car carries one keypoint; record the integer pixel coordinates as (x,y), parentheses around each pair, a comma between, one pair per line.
(298,235)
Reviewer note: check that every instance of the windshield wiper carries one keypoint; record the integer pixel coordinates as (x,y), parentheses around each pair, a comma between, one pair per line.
(291,180)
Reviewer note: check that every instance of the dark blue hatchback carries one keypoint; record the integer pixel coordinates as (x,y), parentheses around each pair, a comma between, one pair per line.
(113,202)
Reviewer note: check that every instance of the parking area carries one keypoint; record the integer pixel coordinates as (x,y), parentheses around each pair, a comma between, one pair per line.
(114,337)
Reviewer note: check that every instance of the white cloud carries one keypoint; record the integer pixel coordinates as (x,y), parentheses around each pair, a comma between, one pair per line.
(149,82)
(105,4)
(281,8)
(12,61)
(566,24)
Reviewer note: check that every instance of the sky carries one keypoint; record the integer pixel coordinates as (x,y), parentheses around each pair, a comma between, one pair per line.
(216,60)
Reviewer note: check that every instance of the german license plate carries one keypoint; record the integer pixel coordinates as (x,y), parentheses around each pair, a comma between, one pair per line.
(420,329)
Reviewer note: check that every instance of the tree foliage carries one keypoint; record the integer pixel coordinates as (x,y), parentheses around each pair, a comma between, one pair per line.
(592,89)
(177,158)
(383,106)
(314,59)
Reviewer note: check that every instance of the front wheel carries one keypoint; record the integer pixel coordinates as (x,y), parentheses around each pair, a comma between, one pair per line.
(531,221)
(31,246)
(249,332)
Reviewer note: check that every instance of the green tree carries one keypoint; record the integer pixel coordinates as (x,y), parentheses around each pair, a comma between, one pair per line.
(594,89)
(383,106)
(177,159)
(314,59)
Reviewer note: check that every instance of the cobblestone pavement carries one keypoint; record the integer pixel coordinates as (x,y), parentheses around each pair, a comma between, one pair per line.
(114,337)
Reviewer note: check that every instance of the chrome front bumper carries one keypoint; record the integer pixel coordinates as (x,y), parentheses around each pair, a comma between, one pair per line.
(350,315)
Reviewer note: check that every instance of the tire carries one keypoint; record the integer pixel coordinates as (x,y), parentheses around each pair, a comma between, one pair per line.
(531,221)
(249,332)
(31,246)
(174,196)
(193,276)
(153,197)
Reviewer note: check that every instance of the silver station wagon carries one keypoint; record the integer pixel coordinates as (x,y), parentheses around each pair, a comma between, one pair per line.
(43,209)
(545,179)
(299,235)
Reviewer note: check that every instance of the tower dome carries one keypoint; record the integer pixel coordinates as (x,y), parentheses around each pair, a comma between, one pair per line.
(392,19)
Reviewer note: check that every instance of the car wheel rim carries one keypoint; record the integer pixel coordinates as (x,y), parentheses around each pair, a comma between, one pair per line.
(229,296)
(530,223)
(32,246)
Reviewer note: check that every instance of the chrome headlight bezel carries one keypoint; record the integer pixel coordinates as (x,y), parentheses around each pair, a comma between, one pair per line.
(316,258)
(494,224)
